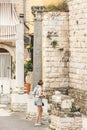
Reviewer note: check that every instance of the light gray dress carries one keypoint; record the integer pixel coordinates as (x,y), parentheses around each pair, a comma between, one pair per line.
(38,100)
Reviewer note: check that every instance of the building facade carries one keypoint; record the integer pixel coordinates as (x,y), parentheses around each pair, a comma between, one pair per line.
(64,66)
(12,32)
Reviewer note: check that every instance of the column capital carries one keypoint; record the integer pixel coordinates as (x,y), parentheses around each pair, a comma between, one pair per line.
(37,11)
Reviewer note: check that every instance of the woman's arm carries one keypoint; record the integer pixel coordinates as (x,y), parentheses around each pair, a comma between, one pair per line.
(41,94)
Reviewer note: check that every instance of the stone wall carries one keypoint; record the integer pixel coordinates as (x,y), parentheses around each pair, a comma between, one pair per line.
(55,58)
(80,98)
(19,101)
(22,7)
(78,51)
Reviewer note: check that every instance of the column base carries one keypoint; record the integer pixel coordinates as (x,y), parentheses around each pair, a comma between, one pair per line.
(19,101)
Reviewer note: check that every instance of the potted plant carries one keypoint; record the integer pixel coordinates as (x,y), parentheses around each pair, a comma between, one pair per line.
(28,66)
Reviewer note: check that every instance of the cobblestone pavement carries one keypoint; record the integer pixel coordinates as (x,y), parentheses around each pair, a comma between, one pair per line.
(17,121)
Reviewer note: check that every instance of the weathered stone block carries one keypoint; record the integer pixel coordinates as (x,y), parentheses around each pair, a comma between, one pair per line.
(66,123)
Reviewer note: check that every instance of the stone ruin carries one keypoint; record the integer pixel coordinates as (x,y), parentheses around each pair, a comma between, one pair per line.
(64,115)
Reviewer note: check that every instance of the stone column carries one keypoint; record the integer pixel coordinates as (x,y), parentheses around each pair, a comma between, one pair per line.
(37,57)
(20,56)
(18,96)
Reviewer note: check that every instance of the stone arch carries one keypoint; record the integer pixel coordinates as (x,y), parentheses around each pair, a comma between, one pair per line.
(9,49)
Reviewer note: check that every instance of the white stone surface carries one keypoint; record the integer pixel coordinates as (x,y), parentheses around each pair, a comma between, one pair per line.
(5,84)
(78,44)
(19,101)
(20,55)
(84,119)
(55,27)
(4,111)
(57,97)
(18,98)
(67,103)
(66,122)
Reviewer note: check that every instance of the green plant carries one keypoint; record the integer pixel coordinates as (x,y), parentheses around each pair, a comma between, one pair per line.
(52,129)
(29,47)
(54,43)
(28,66)
(13,70)
(49,120)
(61,6)
(11,109)
(49,36)
(73,108)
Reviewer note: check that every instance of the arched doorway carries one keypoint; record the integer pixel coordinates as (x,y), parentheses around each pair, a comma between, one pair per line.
(5,76)
(5,64)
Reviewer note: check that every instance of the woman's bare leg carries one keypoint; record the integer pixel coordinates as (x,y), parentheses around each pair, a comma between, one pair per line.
(38,114)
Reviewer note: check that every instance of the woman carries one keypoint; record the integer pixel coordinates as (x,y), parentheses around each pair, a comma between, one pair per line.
(38,102)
